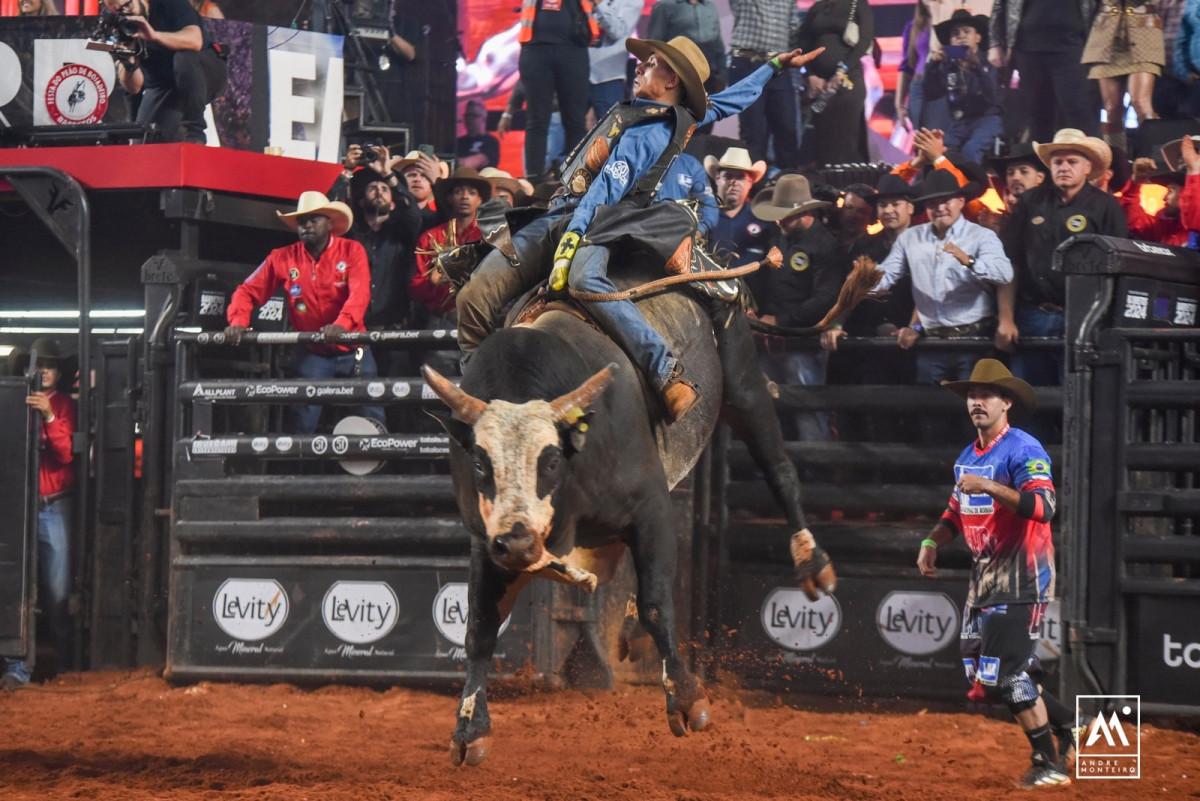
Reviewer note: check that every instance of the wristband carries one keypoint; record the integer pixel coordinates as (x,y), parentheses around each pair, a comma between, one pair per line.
(775,65)
(927,543)
(506,113)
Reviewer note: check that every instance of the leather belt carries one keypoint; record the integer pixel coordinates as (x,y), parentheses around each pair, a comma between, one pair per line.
(44,501)
(754,56)
(1050,308)
(965,330)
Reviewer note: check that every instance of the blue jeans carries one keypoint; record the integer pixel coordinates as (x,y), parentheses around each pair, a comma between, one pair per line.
(934,367)
(974,137)
(916,100)
(1040,368)
(775,116)
(805,369)
(306,364)
(621,318)
(606,95)
(54,582)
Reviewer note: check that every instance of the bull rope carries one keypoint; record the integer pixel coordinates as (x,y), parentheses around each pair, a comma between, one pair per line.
(773,259)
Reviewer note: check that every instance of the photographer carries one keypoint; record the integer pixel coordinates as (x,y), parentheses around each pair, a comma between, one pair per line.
(962,94)
(175,67)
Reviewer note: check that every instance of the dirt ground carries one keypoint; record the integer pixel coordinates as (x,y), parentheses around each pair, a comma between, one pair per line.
(132,736)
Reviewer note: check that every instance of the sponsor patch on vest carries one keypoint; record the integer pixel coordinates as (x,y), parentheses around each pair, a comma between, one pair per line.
(1038,220)
(1076,223)
(799,261)
(293,274)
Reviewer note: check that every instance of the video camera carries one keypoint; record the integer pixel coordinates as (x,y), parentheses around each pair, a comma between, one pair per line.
(115,34)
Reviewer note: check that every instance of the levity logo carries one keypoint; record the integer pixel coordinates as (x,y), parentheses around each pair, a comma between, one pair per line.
(1110,744)
(360,611)
(250,609)
(798,624)
(917,623)
(450,613)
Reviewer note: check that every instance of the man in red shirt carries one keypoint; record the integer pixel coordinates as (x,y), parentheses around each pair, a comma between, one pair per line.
(1166,226)
(460,196)
(328,286)
(56,483)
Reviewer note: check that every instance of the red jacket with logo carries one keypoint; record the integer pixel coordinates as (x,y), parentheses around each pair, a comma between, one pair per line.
(56,462)
(335,288)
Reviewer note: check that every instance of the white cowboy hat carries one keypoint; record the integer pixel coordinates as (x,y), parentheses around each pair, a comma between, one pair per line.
(790,195)
(411,158)
(502,179)
(735,158)
(1093,148)
(339,213)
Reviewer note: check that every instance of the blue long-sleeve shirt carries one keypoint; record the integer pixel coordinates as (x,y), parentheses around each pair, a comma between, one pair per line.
(639,148)
(687,179)
(944,291)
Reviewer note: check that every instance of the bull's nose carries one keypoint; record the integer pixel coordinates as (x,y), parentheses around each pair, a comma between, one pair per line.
(515,543)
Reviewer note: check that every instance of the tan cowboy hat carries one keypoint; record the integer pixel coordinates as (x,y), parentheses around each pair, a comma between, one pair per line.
(683,56)
(411,158)
(992,373)
(463,175)
(316,203)
(735,158)
(790,195)
(501,179)
(1093,148)
(1172,152)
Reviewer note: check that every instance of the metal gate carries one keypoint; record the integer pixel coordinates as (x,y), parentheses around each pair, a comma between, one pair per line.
(1132,548)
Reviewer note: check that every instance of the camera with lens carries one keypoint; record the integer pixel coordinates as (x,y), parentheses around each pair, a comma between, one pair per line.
(116,34)
(370,153)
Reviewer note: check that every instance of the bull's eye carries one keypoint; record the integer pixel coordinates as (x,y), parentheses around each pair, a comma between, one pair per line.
(550,469)
(482,466)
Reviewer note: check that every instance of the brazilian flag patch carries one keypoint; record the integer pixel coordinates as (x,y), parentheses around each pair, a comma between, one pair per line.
(1038,467)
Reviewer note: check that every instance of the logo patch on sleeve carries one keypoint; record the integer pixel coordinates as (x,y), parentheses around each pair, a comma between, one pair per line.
(618,171)
(989,670)
(1038,468)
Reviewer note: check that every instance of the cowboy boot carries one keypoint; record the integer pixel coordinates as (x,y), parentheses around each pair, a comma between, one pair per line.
(679,395)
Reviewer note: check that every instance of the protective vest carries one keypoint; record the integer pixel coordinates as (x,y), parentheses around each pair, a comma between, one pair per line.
(587,159)
(529,10)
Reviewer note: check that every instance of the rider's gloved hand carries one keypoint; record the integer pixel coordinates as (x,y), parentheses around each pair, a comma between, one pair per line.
(562,260)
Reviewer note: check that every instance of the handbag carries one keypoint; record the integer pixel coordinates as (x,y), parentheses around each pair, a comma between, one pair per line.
(850,35)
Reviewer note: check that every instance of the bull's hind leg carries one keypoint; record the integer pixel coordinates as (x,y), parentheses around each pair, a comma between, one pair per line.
(654,558)
(490,597)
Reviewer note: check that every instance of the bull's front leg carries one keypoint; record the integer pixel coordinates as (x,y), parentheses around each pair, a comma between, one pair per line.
(491,594)
(654,555)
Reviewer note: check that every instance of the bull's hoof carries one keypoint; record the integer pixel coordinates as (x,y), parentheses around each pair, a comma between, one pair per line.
(695,718)
(472,753)
(814,570)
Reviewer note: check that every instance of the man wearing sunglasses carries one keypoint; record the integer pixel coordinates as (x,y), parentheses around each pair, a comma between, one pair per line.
(178,73)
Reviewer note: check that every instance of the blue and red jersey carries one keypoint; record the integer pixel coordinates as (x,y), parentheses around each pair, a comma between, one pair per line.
(1013,556)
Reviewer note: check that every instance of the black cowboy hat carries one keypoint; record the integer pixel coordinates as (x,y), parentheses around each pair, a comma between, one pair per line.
(960,17)
(941,184)
(1020,152)
(893,186)
(360,180)
(991,373)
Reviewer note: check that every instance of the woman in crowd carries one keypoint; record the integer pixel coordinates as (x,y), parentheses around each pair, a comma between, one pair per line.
(1126,52)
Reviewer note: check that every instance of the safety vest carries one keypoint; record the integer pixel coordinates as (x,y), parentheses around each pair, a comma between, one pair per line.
(529,9)
(584,163)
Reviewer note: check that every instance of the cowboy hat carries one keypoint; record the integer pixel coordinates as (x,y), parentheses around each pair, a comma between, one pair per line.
(463,176)
(1171,153)
(1092,148)
(339,213)
(790,195)
(685,58)
(959,18)
(411,157)
(991,373)
(361,179)
(940,184)
(501,179)
(893,186)
(735,158)
(1022,152)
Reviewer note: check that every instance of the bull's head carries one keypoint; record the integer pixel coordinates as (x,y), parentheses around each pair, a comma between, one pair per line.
(519,453)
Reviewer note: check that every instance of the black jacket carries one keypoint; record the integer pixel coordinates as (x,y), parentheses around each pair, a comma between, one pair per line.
(801,291)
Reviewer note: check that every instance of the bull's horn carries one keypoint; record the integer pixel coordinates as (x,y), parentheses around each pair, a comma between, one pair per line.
(464,405)
(584,394)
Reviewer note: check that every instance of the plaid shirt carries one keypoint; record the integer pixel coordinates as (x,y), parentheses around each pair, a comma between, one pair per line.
(766,26)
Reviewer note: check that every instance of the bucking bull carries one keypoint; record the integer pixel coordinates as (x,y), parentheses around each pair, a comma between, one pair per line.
(560,463)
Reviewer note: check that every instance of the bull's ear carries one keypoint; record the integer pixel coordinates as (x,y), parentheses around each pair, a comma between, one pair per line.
(459,431)
(574,435)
